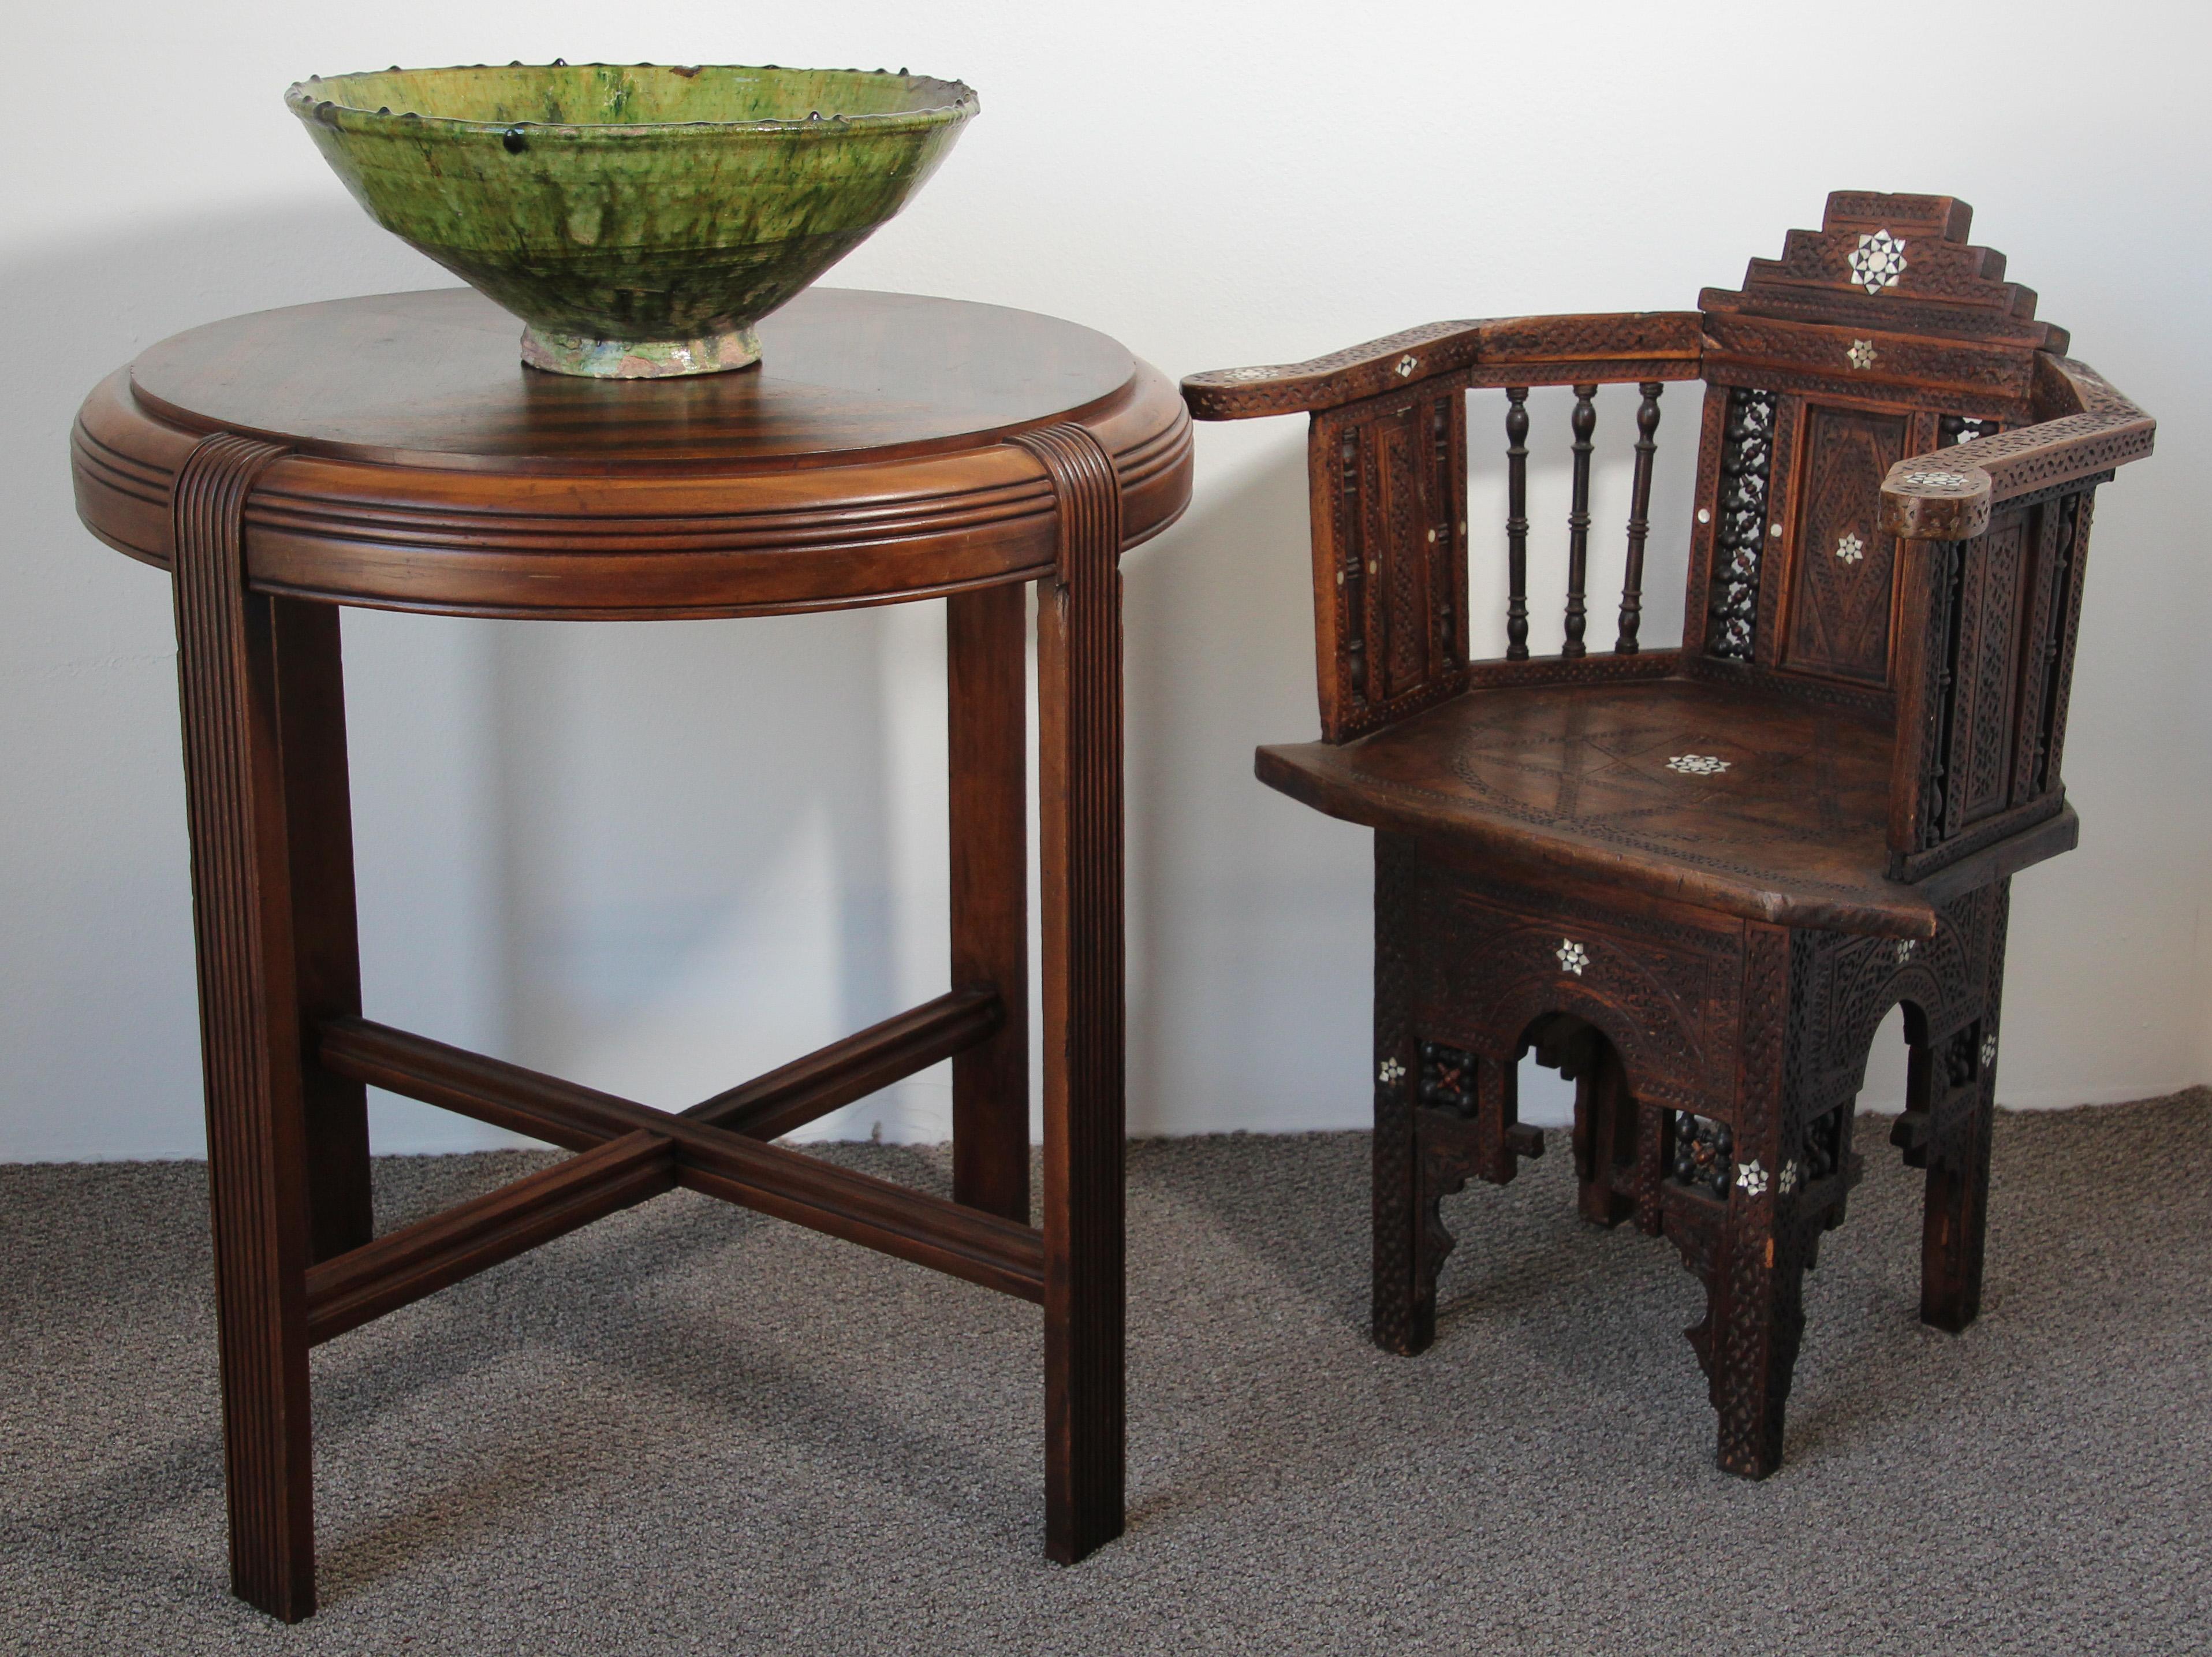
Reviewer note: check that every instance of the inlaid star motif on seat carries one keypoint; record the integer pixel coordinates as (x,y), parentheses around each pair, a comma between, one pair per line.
(1862,354)
(1572,957)
(1249,373)
(1698,765)
(1851,549)
(1877,262)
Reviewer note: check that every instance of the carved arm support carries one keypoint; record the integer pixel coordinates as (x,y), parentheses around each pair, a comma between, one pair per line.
(2086,428)
(1515,350)
(1986,665)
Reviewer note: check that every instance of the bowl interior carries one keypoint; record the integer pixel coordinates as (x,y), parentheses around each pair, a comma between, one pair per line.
(639,95)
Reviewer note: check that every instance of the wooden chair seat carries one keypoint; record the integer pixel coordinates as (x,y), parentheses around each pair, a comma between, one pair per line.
(1715,794)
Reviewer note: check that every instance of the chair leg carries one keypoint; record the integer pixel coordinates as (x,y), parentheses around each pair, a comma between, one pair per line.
(1404,1305)
(1754,1321)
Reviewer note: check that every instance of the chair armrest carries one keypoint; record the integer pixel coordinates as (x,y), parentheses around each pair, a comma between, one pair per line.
(1504,350)
(1948,495)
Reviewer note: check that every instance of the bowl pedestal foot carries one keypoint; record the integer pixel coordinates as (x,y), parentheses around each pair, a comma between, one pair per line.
(639,359)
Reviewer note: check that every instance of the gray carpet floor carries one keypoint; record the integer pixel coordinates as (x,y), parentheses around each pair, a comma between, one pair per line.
(690,1429)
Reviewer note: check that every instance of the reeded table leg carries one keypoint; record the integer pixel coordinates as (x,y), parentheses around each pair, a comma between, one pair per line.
(989,763)
(227,656)
(1079,790)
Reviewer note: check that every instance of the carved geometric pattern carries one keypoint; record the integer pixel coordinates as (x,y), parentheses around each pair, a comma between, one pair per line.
(1877,262)
(1705,1151)
(1838,621)
(1739,545)
(1449,1079)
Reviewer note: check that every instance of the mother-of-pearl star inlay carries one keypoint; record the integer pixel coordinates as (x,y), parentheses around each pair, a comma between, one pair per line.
(1878,261)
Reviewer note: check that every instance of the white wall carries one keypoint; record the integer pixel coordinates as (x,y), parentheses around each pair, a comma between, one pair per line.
(660,861)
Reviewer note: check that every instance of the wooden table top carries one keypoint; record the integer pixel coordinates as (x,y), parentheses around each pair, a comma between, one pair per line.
(425,467)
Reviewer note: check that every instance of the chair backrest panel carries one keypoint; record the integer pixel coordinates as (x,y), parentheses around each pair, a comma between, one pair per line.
(1881,337)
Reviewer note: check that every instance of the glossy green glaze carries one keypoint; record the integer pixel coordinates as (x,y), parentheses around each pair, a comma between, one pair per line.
(639,219)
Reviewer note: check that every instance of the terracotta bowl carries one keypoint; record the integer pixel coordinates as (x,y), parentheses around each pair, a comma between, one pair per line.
(639,220)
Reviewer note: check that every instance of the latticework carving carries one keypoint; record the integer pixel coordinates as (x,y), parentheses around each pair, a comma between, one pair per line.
(1704,1153)
(1741,536)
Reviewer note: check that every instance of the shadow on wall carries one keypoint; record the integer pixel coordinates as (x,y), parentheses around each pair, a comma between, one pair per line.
(704,826)
(660,858)
(98,1048)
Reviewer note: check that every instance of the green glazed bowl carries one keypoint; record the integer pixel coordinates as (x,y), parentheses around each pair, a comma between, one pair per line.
(638,220)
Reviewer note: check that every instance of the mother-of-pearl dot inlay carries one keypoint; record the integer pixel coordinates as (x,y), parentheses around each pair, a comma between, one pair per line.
(1407,365)
(1988,1050)
(1572,957)
(1752,1178)
(1392,1073)
(1851,549)
(1861,355)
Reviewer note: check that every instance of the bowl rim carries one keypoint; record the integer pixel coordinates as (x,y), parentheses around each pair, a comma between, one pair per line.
(305,101)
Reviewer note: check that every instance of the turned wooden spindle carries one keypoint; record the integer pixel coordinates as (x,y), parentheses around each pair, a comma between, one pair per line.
(1578,520)
(1517,523)
(1639,516)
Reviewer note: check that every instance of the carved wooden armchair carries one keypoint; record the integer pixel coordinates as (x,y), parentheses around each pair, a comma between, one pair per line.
(1695,879)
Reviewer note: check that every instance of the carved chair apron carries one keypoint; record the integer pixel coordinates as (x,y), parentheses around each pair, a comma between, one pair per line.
(1695,879)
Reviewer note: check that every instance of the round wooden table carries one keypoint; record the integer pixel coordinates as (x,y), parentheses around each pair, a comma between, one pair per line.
(392,451)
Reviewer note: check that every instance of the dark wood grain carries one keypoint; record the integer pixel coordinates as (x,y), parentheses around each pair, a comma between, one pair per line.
(1079,813)
(1626,643)
(434,380)
(250,1035)
(392,451)
(310,692)
(463,506)
(1696,880)
(986,658)
(775,1179)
